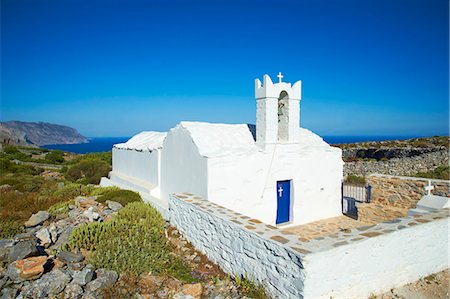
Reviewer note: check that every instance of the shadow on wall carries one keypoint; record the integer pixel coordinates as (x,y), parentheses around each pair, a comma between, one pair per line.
(252,129)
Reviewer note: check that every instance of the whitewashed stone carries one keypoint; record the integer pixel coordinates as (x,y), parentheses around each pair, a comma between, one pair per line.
(91,215)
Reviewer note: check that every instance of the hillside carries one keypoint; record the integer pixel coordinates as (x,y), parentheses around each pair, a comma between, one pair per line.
(37,134)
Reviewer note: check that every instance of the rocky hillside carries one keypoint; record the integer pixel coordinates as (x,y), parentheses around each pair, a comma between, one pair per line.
(37,134)
(396,157)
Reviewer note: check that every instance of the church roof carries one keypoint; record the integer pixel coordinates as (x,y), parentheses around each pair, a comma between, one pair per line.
(147,140)
(217,140)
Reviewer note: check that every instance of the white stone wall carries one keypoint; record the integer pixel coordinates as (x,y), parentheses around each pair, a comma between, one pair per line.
(183,169)
(238,251)
(353,263)
(247,184)
(378,264)
(141,165)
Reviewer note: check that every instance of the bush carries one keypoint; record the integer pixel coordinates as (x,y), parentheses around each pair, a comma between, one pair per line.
(9,228)
(440,172)
(72,190)
(55,157)
(102,190)
(60,208)
(123,197)
(133,242)
(354,179)
(88,171)
(249,288)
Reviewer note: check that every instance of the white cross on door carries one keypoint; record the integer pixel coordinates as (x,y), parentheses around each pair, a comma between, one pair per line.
(280,191)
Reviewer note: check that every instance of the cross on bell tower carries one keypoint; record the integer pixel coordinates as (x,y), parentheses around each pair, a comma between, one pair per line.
(280,77)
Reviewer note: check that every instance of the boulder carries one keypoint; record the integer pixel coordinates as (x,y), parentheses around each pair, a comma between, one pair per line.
(70,257)
(83,277)
(37,218)
(53,232)
(5,248)
(50,284)
(91,215)
(83,202)
(8,293)
(23,250)
(73,291)
(31,268)
(105,279)
(114,205)
(13,273)
(44,237)
(193,290)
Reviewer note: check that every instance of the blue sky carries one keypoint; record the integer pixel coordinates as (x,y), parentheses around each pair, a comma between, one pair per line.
(114,68)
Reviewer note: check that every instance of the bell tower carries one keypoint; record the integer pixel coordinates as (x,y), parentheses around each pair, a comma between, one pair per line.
(277,111)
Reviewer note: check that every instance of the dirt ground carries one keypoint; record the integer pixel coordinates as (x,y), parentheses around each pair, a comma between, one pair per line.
(435,286)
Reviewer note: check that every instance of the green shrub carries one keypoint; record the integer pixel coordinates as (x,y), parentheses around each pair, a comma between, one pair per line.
(249,288)
(121,196)
(440,172)
(55,157)
(60,208)
(354,179)
(132,242)
(88,171)
(72,190)
(10,150)
(102,190)
(9,228)
(23,182)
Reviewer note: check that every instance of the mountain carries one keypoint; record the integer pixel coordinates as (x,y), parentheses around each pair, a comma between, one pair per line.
(37,134)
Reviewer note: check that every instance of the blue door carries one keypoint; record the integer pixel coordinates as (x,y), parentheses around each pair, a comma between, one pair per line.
(284,201)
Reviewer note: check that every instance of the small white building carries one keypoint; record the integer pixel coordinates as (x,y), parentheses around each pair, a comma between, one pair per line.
(278,172)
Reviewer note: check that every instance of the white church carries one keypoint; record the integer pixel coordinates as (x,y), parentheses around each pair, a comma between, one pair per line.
(279,173)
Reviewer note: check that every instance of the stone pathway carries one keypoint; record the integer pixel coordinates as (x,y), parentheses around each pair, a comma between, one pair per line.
(369,214)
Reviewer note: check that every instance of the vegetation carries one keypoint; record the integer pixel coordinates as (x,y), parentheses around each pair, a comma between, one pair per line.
(29,192)
(440,172)
(132,242)
(431,142)
(354,179)
(121,196)
(249,288)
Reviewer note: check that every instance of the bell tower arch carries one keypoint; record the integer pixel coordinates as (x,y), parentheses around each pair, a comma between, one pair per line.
(277,111)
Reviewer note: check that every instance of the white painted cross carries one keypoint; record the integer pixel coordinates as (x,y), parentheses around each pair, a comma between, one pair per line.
(280,76)
(280,191)
(429,188)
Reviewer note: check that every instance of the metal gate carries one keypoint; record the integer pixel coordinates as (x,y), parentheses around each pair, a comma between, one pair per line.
(352,193)
(349,207)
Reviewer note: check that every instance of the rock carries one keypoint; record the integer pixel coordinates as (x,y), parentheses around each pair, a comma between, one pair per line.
(83,277)
(5,248)
(3,282)
(75,266)
(83,202)
(25,236)
(37,218)
(148,284)
(13,273)
(63,238)
(90,214)
(50,284)
(23,250)
(31,268)
(5,187)
(8,293)
(73,291)
(70,257)
(44,237)
(57,264)
(114,205)
(193,290)
(53,232)
(105,279)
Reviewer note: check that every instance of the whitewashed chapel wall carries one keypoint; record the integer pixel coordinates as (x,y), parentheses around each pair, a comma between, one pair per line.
(247,183)
(350,263)
(142,165)
(183,169)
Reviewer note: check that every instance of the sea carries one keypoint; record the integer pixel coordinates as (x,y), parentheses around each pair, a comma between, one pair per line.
(105,144)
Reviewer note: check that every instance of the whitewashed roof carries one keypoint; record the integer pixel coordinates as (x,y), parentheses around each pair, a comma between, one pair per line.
(217,140)
(146,140)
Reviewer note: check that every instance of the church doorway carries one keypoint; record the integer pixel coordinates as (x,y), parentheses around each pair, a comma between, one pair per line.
(283,202)
(283,117)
